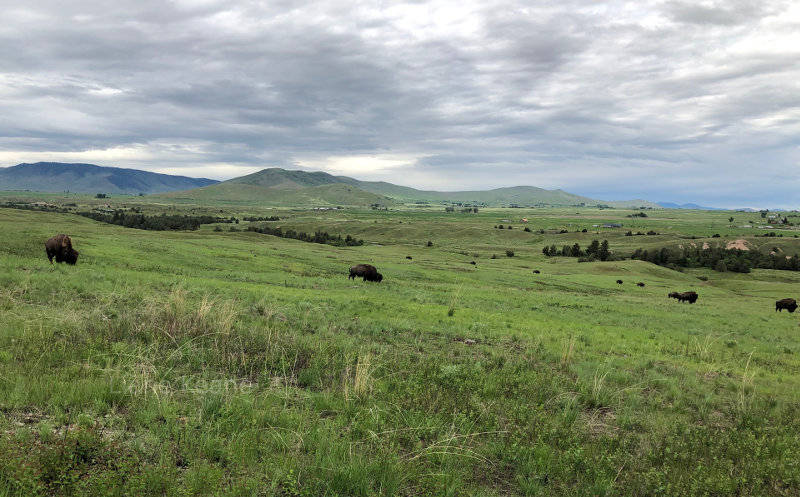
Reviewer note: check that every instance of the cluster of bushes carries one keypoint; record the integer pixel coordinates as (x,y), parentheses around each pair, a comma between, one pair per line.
(466,210)
(639,233)
(595,251)
(638,214)
(718,258)
(317,237)
(26,206)
(509,253)
(155,223)
(254,218)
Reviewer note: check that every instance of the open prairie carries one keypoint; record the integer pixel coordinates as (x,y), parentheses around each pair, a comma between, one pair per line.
(228,362)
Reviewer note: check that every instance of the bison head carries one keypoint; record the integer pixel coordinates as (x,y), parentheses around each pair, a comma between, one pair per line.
(71,257)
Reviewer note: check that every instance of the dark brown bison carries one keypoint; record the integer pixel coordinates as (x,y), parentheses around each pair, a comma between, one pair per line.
(60,247)
(788,304)
(536,271)
(366,271)
(690,297)
(640,284)
(408,257)
(619,282)
(473,263)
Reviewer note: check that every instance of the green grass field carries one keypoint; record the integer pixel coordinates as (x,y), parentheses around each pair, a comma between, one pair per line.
(235,363)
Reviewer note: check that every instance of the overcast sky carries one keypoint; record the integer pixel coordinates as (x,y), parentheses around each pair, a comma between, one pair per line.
(683,101)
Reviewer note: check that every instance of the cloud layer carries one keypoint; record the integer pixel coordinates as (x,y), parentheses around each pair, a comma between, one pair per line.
(663,100)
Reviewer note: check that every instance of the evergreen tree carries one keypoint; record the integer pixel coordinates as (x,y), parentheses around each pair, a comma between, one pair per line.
(604,253)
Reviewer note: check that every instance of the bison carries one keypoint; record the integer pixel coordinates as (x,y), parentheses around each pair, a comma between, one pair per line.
(640,284)
(536,271)
(619,282)
(690,297)
(60,247)
(788,304)
(473,263)
(366,271)
(408,257)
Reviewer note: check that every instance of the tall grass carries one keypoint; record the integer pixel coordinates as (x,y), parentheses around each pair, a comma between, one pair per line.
(746,392)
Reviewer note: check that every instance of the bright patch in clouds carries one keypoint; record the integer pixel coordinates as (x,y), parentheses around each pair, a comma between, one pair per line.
(121,155)
(359,166)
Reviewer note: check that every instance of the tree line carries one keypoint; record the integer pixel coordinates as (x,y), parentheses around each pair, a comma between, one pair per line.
(719,258)
(595,251)
(318,236)
(162,222)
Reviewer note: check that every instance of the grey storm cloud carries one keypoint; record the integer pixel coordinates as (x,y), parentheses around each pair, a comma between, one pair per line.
(662,100)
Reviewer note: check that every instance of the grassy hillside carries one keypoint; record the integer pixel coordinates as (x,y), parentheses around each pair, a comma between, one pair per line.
(295,183)
(208,363)
(243,194)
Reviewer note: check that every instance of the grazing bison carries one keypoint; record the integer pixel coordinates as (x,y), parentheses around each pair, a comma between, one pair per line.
(60,247)
(408,257)
(788,304)
(366,271)
(536,271)
(640,284)
(690,297)
(473,262)
(619,282)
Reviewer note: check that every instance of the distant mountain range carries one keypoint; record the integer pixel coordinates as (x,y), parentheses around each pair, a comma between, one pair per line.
(673,205)
(275,186)
(88,178)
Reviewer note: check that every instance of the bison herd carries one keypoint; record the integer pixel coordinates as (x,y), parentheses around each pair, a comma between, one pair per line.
(60,248)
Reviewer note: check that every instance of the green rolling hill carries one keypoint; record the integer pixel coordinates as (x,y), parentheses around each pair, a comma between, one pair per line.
(275,186)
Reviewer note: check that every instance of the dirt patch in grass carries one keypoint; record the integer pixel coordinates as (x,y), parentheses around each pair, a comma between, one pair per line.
(600,421)
(740,244)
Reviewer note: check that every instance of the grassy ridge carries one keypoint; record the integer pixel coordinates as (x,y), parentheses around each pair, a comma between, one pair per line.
(243,364)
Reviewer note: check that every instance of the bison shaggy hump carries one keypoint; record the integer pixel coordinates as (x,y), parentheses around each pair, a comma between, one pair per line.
(60,247)
(690,297)
(788,304)
(366,271)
